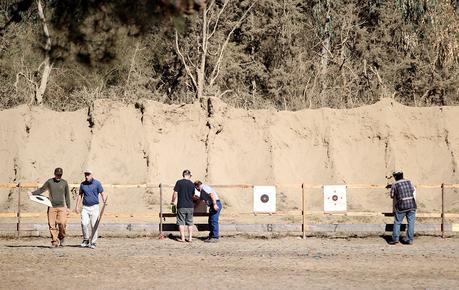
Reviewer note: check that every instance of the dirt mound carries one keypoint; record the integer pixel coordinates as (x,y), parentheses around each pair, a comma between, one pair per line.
(153,143)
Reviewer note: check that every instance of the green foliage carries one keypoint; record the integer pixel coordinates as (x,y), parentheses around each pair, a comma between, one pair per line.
(289,54)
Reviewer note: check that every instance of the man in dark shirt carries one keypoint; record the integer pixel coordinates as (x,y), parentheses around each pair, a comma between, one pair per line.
(59,196)
(403,193)
(184,192)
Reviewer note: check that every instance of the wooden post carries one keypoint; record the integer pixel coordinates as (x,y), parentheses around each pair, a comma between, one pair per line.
(303,211)
(443,210)
(161,235)
(18,214)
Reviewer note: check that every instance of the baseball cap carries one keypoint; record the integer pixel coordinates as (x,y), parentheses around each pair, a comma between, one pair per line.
(58,171)
(397,172)
(87,171)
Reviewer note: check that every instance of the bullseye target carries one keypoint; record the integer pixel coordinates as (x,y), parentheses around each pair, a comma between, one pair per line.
(264,199)
(335,198)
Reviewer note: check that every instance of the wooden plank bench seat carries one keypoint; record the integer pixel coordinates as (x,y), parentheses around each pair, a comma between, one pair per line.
(170,214)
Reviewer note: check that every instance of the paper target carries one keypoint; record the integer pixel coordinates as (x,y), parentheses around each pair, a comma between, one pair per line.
(41,199)
(264,199)
(335,198)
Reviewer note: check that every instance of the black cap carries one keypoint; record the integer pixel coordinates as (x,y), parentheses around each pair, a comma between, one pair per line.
(398,174)
(186,172)
(58,171)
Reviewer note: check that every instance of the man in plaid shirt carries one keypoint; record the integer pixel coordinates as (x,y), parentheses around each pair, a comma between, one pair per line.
(403,193)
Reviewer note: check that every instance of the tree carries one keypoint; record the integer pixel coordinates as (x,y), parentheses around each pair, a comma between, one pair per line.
(201,72)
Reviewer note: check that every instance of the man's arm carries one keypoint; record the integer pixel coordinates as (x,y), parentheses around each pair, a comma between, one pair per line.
(104,196)
(213,196)
(174,197)
(78,201)
(392,191)
(67,195)
(100,189)
(39,191)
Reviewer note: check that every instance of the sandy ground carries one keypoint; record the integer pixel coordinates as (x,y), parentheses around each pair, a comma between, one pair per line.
(234,262)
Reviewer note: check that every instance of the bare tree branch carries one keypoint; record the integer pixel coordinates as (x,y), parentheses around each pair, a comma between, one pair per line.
(225,92)
(187,68)
(26,78)
(216,69)
(218,18)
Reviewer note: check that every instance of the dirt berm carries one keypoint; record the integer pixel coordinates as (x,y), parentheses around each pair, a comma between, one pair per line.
(154,142)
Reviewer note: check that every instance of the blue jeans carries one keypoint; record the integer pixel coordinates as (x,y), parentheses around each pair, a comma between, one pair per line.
(213,220)
(398,218)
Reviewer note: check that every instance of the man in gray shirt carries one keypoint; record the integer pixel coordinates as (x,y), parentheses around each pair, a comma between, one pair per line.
(59,196)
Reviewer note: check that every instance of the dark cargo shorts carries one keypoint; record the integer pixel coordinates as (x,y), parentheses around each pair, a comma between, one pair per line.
(185,216)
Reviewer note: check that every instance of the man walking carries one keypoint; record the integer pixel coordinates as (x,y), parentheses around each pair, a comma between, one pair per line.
(183,193)
(59,196)
(402,191)
(209,195)
(90,189)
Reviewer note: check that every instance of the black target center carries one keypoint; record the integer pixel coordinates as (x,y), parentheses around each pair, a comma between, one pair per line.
(264,198)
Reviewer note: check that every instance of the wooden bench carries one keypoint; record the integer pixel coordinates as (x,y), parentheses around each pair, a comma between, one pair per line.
(172,227)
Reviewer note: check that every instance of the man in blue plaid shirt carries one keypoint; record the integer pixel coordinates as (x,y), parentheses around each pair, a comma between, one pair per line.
(403,193)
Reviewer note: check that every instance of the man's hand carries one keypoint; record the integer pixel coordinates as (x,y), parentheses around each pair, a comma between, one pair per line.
(77,210)
(216,207)
(29,193)
(68,211)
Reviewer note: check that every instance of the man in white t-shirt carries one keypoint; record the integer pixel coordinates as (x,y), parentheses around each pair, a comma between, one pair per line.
(209,195)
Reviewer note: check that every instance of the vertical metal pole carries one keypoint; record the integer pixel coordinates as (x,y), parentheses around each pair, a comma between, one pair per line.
(303,211)
(161,235)
(443,210)
(18,214)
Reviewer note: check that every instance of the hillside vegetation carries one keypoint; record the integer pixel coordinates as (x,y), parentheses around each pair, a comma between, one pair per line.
(287,54)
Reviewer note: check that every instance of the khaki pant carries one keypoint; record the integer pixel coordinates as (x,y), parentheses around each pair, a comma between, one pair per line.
(57,221)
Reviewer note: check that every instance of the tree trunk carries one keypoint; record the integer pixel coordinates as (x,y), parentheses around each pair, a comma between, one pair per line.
(325,56)
(46,63)
(201,71)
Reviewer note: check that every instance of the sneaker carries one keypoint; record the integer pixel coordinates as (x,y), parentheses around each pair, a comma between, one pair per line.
(55,245)
(84,244)
(393,242)
(92,245)
(62,242)
(211,240)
